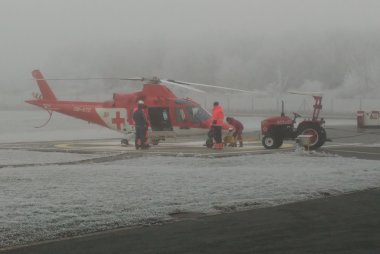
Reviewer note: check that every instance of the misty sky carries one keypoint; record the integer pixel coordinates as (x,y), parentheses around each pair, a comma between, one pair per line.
(135,37)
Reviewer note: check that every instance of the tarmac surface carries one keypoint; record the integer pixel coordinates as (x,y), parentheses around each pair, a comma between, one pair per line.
(348,223)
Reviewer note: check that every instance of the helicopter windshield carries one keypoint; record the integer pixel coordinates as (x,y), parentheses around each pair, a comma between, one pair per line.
(190,112)
(197,114)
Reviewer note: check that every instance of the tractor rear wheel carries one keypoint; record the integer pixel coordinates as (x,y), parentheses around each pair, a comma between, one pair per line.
(323,138)
(318,135)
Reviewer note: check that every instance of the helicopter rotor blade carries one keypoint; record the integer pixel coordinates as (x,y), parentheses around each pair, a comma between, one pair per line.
(211,86)
(306,93)
(96,78)
(186,85)
(74,79)
(134,79)
(170,82)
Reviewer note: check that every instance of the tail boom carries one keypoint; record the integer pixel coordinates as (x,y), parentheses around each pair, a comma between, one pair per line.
(101,113)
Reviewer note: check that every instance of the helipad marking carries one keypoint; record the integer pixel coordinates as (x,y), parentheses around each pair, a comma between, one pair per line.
(194,144)
(66,145)
(87,145)
(182,148)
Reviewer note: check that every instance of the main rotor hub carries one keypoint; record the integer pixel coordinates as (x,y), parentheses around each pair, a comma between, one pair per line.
(155,80)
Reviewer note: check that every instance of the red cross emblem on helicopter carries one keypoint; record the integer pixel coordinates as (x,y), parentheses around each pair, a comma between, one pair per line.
(118,121)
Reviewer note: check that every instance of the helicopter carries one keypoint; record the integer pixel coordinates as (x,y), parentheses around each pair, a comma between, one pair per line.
(166,112)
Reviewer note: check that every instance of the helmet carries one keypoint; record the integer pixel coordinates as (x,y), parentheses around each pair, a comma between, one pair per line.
(140,102)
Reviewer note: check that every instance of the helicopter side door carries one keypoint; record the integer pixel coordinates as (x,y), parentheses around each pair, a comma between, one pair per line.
(159,119)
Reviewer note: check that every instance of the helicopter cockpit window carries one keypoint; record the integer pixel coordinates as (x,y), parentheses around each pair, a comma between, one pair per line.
(190,112)
(197,114)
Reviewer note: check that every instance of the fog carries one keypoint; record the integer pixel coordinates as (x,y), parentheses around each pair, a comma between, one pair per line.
(269,45)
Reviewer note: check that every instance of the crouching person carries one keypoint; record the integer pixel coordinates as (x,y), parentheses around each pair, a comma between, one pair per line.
(229,139)
(238,129)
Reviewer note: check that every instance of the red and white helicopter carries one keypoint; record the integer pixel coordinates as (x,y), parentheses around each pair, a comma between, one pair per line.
(165,110)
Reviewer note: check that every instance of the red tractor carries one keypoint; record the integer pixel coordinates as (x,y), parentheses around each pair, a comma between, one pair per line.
(276,129)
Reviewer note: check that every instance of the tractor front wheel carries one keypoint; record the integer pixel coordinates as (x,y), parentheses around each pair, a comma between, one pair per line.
(271,142)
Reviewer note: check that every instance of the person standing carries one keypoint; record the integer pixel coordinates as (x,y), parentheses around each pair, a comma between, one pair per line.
(146,113)
(238,129)
(141,125)
(218,113)
(217,121)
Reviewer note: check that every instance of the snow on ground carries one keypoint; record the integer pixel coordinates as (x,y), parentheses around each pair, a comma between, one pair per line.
(19,157)
(45,202)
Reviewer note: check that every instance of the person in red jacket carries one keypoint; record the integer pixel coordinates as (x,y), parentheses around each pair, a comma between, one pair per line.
(217,121)
(238,129)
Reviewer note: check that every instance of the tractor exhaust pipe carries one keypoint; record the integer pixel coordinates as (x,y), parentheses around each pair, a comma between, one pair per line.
(282,109)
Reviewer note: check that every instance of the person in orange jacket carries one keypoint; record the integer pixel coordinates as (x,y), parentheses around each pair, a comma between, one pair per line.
(217,121)
(217,114)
